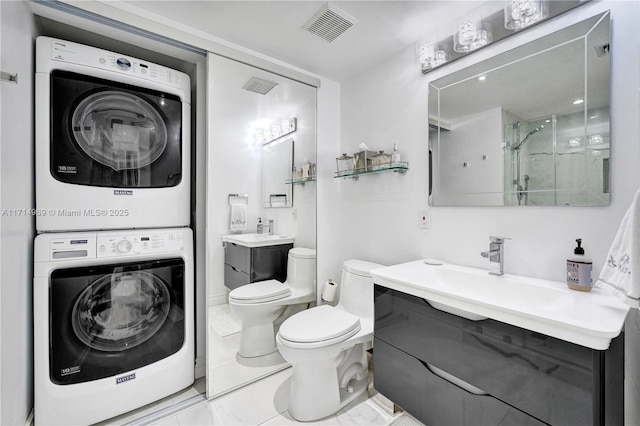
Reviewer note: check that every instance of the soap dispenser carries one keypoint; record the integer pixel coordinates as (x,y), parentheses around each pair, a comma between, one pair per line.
(579,269)
(260,226)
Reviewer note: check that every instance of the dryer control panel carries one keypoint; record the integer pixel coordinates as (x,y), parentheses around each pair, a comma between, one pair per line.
(97,58)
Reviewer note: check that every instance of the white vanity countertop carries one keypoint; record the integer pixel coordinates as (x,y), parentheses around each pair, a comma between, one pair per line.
(258,240)
(589,319)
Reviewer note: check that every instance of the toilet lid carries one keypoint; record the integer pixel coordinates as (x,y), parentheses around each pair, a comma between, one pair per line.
(263,291)
(322,323)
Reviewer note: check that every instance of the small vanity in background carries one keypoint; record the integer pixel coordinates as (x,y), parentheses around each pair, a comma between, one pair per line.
(250,258)
(456,345)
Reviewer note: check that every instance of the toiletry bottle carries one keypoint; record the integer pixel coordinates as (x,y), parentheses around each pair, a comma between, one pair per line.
(306,168)
(395,155)
(579,270)
(260,226)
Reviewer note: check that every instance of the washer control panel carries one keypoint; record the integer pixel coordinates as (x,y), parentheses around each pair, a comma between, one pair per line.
(113,245)
(126,245)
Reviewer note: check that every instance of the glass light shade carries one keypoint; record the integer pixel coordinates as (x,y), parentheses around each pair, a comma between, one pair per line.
(440,57)
(574,142)
(595,139)
(431,56)
(276,131)
(471,35)
(426,53)
(522,13)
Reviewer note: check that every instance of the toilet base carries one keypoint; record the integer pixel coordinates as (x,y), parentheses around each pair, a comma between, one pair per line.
(257,340)
(320,389)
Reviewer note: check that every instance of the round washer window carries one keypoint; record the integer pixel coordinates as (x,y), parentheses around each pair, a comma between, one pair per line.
(121,310)
(119,129)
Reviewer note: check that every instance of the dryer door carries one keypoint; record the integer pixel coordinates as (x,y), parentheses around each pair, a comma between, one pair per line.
(106,320)
(110,134)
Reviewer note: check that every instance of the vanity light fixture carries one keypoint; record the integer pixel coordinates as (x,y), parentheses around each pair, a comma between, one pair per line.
(519,14)
(272,131)
(490,23)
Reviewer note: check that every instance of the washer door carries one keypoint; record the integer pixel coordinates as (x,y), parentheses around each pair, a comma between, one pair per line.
(109,319)
(120,311)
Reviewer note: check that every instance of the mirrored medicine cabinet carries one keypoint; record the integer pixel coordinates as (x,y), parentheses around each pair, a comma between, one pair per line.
(528,127)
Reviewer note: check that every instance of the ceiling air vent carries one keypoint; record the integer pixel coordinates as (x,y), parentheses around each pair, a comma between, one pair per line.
(329,22)
(258,85)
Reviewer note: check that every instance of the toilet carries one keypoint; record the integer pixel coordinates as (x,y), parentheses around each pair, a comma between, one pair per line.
(327,347)
(260,304)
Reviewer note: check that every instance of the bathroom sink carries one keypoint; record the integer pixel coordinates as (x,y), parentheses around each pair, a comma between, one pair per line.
(257,240)
(589,319)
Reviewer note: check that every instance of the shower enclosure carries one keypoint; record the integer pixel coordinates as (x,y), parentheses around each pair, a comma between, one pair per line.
(558,160)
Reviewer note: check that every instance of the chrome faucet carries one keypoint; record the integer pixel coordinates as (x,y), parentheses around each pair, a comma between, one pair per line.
(495,255)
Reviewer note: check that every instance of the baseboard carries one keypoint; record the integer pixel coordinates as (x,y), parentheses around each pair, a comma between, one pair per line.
(217,300)
(383,402)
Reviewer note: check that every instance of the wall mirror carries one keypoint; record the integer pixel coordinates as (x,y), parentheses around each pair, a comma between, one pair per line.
(527,127)
(277,163)
(245,106)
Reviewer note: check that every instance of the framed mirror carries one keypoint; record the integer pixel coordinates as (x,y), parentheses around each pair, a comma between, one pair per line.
(527,127)
(277,164)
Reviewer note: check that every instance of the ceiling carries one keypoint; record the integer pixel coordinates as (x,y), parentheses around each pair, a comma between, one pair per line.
(274,28)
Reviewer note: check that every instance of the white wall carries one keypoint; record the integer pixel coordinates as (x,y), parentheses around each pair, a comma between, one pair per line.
(379,213)
(18,31)
(463,177)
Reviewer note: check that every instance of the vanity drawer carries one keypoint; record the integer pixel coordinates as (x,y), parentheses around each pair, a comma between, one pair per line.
(434,400)
(238,257)
(553,380)
(234,278)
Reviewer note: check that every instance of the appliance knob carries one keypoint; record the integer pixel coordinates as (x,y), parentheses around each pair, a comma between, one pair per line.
(123,64)
(124,246)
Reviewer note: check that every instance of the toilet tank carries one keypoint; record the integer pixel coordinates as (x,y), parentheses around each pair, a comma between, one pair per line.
(301,268)
(356,287)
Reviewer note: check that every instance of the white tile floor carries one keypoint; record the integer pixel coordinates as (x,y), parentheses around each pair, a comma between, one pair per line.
(265,403)
(247,394)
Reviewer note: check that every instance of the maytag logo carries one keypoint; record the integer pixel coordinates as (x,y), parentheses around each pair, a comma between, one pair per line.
(122,192)
(126,378)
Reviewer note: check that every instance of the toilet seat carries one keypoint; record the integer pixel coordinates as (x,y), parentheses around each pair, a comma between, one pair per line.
(260,292)
(317,327)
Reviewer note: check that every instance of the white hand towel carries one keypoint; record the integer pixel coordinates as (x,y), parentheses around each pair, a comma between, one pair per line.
(238,217)
(621,274)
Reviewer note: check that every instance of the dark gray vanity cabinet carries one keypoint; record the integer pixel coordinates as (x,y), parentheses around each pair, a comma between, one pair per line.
(448,370)
(244,265)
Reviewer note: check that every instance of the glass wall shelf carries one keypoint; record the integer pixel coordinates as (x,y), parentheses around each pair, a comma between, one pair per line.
(401,167)
(300,181)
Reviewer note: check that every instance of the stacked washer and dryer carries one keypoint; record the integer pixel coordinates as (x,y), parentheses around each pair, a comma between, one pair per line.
(113,258)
